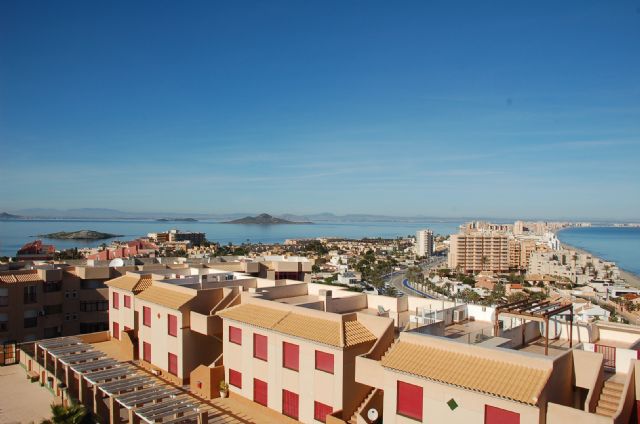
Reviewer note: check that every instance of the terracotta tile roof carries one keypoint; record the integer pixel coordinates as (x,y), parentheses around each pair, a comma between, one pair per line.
(494,377)
(131,283)
(317,329)
(355,333)
(311,328)
(20,277)
(143,284)
(162,296)
(254,315)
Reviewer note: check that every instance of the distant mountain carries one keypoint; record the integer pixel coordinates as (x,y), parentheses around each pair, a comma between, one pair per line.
(264,219)
(79,235)
(7,216)
(177,220)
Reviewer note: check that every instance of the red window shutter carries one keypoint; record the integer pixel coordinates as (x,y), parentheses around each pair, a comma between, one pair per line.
(172,325)
(260,347)
(146,351)
(146,316)
(493,415)
(324,361)
(260,391)
(320,411)
(290,404)
(409,402)
(127,301)
(116,301)
(126,328)
(290,356)
(116,331)
(173,364)
(235,335)
(235,378)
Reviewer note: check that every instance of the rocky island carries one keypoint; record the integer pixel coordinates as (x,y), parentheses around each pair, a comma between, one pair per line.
(263,219)
(79,235)
(7,216)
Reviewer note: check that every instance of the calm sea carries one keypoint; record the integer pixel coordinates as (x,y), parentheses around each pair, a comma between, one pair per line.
(618,244)
(14,234)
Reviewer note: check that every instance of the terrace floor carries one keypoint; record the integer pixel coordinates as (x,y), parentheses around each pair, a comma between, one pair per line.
(556,347)
(21,400)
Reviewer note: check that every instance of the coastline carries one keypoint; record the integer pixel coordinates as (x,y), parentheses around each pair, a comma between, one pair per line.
(629,277)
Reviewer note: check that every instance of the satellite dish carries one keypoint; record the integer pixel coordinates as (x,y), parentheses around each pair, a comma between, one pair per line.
(116,262)
(372,414)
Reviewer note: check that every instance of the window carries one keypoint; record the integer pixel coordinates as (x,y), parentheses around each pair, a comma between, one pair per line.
(4,296)
(235,378)
(92,284)
(52,309)
(290,404)
(146,351)
(116,301)
(146,316)
(173,364)
(50,332)
(409,402)
(30,318)
(324,361)
(172,325)
(127,301)
(260,346)
(94,306)
(93,327)
(235,335)
(320,411)
(30,294)
(50,287)
(493,415)
(290,356)
(260,391)
(116,331)
(4,322)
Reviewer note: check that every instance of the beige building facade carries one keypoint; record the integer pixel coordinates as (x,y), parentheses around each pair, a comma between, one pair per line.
(479,251)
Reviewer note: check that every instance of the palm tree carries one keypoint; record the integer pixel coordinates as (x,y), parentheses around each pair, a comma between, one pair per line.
(74,414)
(484,261)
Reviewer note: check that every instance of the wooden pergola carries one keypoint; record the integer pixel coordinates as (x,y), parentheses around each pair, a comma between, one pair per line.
(534,310)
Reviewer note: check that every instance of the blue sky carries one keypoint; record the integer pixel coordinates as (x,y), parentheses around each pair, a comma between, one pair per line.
(432,108)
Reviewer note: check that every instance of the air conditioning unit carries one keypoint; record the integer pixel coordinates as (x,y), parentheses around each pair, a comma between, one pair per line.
(459,315)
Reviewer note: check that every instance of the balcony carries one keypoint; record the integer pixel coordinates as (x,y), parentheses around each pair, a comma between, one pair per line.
(209,325)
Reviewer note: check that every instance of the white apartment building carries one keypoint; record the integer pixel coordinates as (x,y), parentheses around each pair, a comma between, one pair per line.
(424,243)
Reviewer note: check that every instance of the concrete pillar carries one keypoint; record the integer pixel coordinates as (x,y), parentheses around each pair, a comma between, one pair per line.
(82,390)
(114,411)
(67,376)
(203,417)
(133,418)
(94,398)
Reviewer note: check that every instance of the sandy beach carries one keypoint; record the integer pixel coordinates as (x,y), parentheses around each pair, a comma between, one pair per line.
(631,279)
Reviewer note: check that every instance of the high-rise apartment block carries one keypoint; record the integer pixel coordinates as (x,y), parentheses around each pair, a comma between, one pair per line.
(479,251)
(424,243)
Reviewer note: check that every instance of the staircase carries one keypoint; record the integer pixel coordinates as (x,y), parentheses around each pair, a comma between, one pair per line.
(609,398)
(354,417)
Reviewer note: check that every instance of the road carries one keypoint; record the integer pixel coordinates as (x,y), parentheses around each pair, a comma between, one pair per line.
(397,279)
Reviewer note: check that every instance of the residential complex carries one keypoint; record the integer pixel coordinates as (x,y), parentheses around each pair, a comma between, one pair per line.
(194,238)
(317,353)
(424,243)
(54,300)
